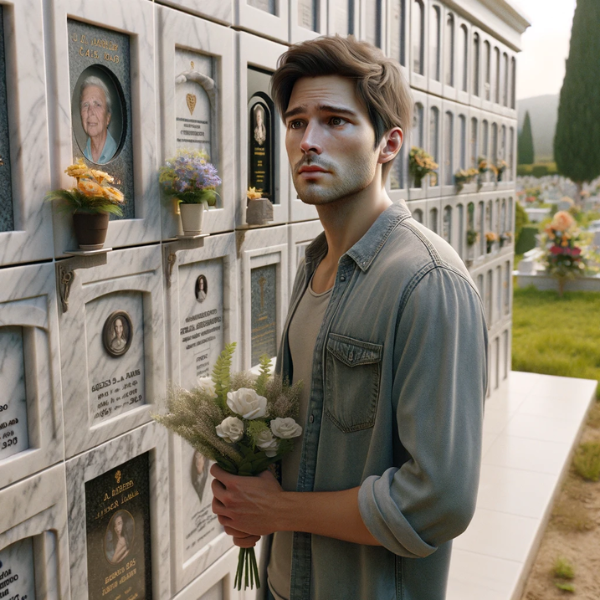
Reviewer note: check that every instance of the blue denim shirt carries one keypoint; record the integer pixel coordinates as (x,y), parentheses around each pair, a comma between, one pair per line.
(396,407)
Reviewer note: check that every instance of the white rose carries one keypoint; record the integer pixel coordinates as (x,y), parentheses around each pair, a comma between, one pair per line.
(231,429)
(285,428)
(207,385)
(247,403)
(265,441)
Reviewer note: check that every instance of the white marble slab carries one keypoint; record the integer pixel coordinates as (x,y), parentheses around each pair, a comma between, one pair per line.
(217,10)
(33,536)
(185,39)
(31,420)
(199,324)
(28,118)
(106,395)
(150,438)
(136,18)
(258,52)
(257,249)
(268,18)
(300,237)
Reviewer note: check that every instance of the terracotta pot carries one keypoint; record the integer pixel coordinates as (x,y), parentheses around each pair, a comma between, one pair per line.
(90,230)
(191,217)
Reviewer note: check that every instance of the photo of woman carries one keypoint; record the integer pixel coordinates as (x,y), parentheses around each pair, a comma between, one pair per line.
(119,537)
(117,333)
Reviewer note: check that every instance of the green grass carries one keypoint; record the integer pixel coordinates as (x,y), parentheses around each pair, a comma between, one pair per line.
(565,587)
(587,461)
(557,336)
(563,569)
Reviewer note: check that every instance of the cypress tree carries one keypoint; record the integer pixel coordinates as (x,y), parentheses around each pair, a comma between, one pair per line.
(577,138)
(525,151)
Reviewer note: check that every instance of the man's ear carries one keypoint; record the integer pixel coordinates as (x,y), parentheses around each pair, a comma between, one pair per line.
(390,145)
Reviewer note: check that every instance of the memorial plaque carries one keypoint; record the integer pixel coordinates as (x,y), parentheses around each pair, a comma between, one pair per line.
(308,14)
(115,343)
(17,579)
(263,308)
(261,170)
(117,506)
(13,399)
(200,524)
(6,201)
(201,319)
(100,76)
(195,100)
(266,5)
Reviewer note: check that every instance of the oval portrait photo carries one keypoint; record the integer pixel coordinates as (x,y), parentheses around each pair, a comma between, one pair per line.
(117,333)
(201,288)
(119,536)
(98,115)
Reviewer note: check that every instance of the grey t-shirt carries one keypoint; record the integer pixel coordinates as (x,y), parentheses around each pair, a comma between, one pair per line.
(304,329)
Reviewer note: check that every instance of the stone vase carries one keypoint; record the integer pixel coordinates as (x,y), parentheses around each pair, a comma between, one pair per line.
(90,230)
(192,216)
(259,211)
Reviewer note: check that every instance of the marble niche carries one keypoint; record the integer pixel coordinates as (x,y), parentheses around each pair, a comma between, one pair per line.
(202,314)
(31,426)
(112,344)
(34,554)
(25,219)
(263,298)
(117,496)
(197,107)
(109,45)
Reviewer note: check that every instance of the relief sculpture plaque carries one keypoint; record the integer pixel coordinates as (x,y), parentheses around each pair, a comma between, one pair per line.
(17,578)
(263,309)
(6,202)
(195,99)
(115,346)
(13,398)
(99,68)
(117,506)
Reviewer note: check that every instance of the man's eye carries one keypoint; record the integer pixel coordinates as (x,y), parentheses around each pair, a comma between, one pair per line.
(337,121)
(295,124)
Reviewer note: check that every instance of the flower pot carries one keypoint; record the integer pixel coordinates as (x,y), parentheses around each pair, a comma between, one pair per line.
(192,216)
(259,211)
(90,230)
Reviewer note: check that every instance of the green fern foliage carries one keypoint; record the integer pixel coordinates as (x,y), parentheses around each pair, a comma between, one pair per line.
(265,374)
(221,374)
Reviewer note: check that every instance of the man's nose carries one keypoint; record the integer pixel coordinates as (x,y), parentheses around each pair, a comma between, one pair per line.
(311,140)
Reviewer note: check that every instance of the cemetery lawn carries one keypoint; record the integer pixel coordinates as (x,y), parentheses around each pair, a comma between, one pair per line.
(556,336)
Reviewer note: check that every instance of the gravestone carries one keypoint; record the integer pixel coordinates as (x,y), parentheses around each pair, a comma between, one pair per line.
(115,345)
(13,398)
(99,69)
(17,578)
(308,14)
(201,318)
(195,101)
(6,202)
(261,167)
(266,5)
(117,507)
(263,310)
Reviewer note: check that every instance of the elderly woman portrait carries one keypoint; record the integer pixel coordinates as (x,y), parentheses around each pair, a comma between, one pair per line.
(260,131)
(95,106)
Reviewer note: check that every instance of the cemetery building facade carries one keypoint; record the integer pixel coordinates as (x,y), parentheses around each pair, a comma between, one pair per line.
(98,501)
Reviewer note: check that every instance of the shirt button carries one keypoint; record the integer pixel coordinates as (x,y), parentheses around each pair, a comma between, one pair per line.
(351,356)
(311,418)
(343,278)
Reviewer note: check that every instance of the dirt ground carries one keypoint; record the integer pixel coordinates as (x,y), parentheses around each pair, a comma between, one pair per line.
(573,533)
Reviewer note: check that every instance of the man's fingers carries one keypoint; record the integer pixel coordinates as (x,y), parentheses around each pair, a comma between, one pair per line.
(236,532)
(246,542)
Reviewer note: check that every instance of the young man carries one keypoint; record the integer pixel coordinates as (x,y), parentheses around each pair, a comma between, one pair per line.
(387,332)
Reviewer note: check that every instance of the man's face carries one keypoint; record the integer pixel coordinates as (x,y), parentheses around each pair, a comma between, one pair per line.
(94,115)
(329,140)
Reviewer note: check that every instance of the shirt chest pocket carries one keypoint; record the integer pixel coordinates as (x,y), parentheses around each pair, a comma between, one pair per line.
(352,376)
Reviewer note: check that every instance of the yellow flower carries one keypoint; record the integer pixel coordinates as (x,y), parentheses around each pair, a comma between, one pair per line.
(254,194)
(101,176)
(112,194)
(79,169)
(562,221)
(90,187)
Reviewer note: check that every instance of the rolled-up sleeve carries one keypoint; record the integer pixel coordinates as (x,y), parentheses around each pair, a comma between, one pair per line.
(439,383)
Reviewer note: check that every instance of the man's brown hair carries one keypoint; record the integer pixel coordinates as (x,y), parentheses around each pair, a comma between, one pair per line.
(379,82)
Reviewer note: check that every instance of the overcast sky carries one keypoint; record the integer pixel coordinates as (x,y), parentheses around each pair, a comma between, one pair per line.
(541,64)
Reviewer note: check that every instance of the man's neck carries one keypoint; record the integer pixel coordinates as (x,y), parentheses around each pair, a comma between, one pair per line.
(345,222)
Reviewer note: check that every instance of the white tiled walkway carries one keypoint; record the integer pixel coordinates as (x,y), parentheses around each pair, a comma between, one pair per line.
(531,426)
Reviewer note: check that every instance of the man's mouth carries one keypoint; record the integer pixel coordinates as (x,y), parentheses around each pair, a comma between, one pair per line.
(311,169)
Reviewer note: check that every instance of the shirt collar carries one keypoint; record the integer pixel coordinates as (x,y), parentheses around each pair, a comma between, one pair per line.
(366,249)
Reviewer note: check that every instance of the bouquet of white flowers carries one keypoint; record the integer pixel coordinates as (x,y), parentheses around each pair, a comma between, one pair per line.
(242,422)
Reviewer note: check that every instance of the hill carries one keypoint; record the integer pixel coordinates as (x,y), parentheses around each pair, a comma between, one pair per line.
(543,111)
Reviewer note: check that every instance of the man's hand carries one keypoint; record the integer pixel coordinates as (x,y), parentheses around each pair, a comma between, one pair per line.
(245,506)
